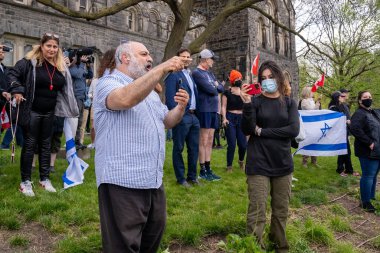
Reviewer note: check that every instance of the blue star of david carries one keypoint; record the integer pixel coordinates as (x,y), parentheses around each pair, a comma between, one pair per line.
(324,131)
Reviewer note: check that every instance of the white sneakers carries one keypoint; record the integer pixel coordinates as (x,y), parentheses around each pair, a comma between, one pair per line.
(46,184)
(91,146)
(26,187)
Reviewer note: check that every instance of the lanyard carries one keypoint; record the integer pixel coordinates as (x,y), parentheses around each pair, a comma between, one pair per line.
(50,75)
(13,131)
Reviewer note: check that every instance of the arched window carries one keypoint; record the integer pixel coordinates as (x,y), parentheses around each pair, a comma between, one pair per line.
(154,26)
(274,37)
(131,20)
(169,25)
(286,44)
(261,33)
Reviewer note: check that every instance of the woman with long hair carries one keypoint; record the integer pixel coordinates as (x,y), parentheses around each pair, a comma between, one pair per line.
(271,120)
(232,110)
(365,126)
(42,86)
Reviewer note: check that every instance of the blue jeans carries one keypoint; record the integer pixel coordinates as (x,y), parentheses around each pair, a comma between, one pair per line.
(233,134)
(370,169)
(186,131)
(8,137)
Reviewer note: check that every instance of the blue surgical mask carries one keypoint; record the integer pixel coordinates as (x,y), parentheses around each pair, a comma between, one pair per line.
(269,85)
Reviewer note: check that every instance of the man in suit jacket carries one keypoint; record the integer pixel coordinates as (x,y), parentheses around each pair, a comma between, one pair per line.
(188,129)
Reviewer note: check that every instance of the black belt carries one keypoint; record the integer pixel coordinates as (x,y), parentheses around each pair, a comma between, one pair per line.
(191,111)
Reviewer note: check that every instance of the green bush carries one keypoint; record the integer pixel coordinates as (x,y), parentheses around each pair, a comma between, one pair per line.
(338,225)
(318,233)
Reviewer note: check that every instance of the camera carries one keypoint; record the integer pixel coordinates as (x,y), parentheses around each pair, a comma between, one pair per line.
(7,49)
(78,53)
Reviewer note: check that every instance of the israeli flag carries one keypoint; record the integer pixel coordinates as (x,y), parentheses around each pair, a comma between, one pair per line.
(325,133)
(74,174)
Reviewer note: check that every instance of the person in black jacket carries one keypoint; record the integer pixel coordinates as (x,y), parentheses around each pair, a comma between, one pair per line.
(344,164)
(271,120)
(42,87)
(365,126)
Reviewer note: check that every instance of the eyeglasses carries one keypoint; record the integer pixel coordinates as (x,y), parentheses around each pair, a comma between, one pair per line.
(51,35)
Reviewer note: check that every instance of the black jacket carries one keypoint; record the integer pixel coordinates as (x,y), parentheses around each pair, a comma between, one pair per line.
(22,80)
(365,126)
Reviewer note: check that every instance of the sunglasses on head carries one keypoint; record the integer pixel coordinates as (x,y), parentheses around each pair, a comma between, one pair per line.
(51,35)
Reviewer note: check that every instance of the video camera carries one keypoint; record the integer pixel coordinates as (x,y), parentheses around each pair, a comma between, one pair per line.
(78,53)
(7,49)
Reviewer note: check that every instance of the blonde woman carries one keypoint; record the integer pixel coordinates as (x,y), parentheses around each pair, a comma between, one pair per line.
(42,86)
(307,103)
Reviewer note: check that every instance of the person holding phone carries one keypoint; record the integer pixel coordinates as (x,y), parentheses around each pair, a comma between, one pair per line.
(232,109)
(187,131)
(271,120)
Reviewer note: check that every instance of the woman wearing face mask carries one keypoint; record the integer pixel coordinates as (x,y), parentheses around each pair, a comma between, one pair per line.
(42,86)
(232,109)
(365,126)
(271,120)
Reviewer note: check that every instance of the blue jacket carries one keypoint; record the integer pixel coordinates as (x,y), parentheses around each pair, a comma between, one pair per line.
(171,82)
(208,93)
(79,74)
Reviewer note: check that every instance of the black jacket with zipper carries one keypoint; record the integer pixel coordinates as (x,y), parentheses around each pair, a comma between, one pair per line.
(365,126)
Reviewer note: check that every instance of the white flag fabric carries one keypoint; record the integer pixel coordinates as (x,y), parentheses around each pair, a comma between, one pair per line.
(74,174)
(325,133)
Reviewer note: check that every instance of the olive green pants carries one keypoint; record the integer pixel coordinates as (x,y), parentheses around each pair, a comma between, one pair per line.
(258,189)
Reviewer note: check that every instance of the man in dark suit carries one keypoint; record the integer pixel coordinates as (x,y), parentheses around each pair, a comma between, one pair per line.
(188,129)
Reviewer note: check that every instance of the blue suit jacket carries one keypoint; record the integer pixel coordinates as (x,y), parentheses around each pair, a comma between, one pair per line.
(171,83)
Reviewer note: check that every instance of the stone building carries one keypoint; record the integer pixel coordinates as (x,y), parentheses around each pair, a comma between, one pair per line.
(243,35)
(247,33)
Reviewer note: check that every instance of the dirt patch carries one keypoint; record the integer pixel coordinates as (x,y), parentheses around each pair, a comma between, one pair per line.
(208,245)
(40,240)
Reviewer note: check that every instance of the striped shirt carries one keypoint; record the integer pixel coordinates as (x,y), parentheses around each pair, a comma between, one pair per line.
(130,144)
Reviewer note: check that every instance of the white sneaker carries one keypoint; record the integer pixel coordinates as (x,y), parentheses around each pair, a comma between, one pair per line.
(91,146)
(46,184)
(26,188)
(294,179)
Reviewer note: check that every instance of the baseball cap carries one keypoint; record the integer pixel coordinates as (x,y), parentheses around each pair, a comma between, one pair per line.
(207,53)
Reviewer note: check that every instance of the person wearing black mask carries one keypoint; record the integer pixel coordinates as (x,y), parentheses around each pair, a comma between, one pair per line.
(365,126)
(232,109)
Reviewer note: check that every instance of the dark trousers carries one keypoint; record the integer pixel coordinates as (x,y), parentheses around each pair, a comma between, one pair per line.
(186,131)
(38,132)
(233,134)
(368,181)
(80,119)
(8,137)
(344,161)
(132,220)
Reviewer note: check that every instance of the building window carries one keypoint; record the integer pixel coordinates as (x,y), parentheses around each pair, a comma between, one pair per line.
(21,1)
(286,45)
(9,56)
(261,34)
(27,48)
(83,5)
(131,19)
(154,24)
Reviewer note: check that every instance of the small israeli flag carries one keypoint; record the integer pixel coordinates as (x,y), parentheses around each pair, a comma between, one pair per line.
(74,174)
(326,133)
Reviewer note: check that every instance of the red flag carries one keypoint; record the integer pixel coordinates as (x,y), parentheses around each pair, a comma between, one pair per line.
(319,83)
(255,65)
(5,123)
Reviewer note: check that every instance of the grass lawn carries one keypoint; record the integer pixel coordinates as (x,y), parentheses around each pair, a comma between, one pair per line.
(70,218)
